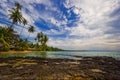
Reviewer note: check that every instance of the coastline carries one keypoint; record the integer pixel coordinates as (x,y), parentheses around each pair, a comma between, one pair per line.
(90,68)
(12,51)
(25,51)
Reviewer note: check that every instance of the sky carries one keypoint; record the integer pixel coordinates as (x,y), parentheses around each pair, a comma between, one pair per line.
(70,24)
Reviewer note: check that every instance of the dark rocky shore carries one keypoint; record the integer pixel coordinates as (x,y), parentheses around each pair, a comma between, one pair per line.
(89,68)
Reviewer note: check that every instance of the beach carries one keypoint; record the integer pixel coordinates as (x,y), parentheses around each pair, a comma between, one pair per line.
(60,40)
(31,68)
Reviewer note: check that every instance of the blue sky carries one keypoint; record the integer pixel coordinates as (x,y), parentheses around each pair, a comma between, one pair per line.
(70,24)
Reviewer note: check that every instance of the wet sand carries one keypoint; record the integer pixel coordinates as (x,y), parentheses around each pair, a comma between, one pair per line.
(30,68)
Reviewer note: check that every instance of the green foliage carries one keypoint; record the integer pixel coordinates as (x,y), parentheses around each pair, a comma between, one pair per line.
(10,40)
(31,29)
(4,42)
(22,45)
(53,49)
(17,48)
(16,15)
(5,48)
(42,40)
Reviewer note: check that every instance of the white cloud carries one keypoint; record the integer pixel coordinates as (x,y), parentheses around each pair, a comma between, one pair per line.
(92,11)
(32,15)
(97,43)
(2,25)
(92,23)
(81,30)
(54,32)
(28,18)
(56,22)
(95,15)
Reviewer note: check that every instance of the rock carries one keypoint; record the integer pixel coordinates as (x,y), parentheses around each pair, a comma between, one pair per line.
(4,64)
(97,71)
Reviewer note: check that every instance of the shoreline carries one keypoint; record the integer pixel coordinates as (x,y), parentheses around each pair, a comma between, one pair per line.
(25,51)
(13,51)
(90,68)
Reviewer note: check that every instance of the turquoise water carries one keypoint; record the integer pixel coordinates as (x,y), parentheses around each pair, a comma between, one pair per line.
(64,54)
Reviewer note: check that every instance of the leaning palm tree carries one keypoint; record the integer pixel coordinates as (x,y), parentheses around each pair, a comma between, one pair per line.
(15,14)
(16,17)
(31,29)
(24,23)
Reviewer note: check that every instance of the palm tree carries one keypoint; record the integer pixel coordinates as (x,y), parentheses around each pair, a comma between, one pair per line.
(4,37)
(45,39)
(8,39)
(30,30)
(24,23)
(18,6)
(38,39)
(16,15)
(23,44)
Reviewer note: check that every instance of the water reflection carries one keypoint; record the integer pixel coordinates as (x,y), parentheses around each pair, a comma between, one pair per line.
(62,54)
(43,54)
(35,54)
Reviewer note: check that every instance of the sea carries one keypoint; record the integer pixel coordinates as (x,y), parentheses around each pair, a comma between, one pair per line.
(69,54)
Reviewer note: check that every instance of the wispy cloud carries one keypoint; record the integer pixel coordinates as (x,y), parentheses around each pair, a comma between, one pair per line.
(92,25)
(71,24)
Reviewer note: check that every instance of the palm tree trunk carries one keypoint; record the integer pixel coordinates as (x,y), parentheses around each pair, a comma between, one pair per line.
(21,32)
(28,36)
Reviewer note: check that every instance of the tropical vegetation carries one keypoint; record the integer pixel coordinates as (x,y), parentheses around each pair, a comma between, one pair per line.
(10,40)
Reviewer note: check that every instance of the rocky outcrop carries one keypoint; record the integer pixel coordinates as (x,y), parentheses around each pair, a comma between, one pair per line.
(89,68)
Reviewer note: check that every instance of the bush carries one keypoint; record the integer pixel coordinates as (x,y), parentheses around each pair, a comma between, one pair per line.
(19,49)
(5,48)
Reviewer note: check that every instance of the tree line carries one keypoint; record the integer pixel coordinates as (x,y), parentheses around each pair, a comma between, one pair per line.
(10,40)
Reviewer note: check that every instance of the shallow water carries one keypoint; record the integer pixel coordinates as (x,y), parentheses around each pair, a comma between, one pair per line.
(64,54)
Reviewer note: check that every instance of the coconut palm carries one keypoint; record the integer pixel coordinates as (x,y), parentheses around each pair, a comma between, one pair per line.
(44,41)
(24,23)
(18,6)
(31,29)
(16,17)
(38,39)
(15,14)
(8,38)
